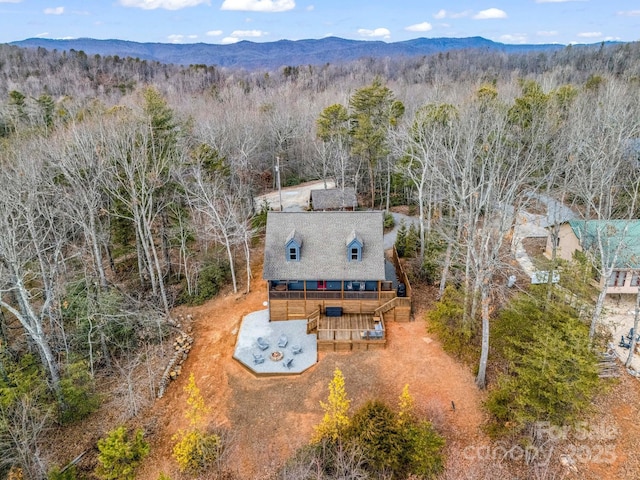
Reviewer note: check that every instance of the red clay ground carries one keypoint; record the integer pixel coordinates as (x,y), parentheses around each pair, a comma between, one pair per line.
(271,417)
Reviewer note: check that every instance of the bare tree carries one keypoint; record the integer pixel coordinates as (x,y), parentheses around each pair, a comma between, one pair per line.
(136,180)
(222,214)
(32,249)
(604,178)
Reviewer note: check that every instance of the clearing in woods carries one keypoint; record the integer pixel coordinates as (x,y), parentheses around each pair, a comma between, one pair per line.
(271,417)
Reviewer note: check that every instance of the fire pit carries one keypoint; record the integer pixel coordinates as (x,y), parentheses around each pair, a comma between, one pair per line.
(276,356)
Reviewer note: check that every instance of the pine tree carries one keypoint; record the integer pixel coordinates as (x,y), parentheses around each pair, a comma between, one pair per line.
(336,418)
(406,406)
(195,450)
(401,238)
(412,242)
(120,455)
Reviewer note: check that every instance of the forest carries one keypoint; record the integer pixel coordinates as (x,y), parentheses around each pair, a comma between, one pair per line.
(128,190)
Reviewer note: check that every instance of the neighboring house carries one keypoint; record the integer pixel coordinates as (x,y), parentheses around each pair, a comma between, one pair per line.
(325,265)
(617,236)
(334,199)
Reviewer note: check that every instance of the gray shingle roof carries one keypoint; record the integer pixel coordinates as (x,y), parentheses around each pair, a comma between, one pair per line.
(333,198)
(323,255)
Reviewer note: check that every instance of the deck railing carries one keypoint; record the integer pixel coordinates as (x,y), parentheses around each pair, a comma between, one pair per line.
(345,335)
(322,295)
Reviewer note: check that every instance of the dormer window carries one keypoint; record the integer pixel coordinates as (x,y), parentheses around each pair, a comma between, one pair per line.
(292,247)
(354,247)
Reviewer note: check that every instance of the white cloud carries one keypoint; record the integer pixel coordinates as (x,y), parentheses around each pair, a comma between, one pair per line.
(514,38)
(378,32)
(213,33)
(590,34)
(54,11)
(629,13)
(39,35)
(259,5)
(165,4)
(547,33)
(441,14)
(178,38)
(611,39)
(444,14)
(175,38)
(559,1)
(419,27)
(10,1)
(249,33)
(236,35)
(311,8)
(490,13)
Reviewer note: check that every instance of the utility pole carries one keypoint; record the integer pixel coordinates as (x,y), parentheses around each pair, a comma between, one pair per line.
(278,180)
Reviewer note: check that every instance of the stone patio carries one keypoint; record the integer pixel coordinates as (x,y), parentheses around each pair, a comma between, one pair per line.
(256,325)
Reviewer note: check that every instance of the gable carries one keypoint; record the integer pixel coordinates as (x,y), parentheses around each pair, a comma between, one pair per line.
(325,239)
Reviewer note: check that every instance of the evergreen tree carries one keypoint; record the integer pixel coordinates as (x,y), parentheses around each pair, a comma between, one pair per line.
(412,242)
(336,419)
(401,239)
(120,455)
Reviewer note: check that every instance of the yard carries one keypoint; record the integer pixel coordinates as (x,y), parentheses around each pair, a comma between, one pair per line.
(271,417)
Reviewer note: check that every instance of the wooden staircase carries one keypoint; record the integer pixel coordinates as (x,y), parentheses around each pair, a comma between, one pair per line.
(312,321)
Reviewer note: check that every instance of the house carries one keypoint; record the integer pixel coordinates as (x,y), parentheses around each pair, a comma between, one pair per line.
(334,199)
(618,237)
(330,268)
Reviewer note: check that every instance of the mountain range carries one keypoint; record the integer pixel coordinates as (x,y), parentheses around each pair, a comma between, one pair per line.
(274,55)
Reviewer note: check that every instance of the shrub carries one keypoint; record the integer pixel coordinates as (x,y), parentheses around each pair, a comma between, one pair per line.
(388,221)
(259,220)
(78,398)
(446,321)
(376,429)
(396,444)
(423,449)
(196,451)
(412,242)
(552,372)
(120,455)
(210,279)
(377,442)
(69,474)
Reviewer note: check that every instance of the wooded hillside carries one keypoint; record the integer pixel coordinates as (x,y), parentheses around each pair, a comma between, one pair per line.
(127,188)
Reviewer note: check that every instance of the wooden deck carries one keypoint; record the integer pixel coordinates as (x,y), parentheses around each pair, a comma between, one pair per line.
(351,331)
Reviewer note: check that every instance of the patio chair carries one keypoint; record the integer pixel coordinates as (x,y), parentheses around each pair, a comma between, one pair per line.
(282,341)
(262,343)
(258,358)
(630,335)
(296,349)
(624,344)
(288,362)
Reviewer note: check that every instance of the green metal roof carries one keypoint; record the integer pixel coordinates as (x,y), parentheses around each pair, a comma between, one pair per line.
(616,236)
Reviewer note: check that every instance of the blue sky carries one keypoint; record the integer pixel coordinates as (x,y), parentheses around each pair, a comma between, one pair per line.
(228,21)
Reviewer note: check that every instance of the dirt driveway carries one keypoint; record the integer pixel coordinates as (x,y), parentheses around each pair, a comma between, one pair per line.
(294,199)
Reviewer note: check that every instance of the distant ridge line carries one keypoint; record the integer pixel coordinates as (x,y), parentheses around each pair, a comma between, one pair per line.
(274,55)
